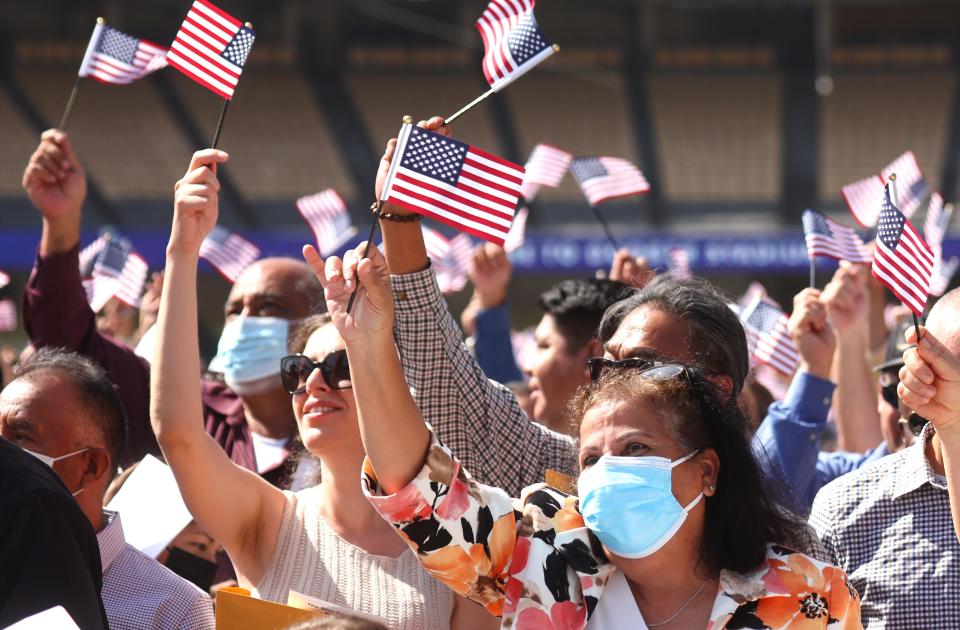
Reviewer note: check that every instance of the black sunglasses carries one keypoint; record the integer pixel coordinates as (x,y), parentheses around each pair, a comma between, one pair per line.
(914,423)
(652,370)
(295,369)
(889,393)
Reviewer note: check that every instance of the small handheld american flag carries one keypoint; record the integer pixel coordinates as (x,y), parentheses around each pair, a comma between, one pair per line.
(768,336)
(937,220)
(115,57)
(118,271)
(606,178)
(229,253)
(828,238)
(546,166)
(864,198)
(513,43)
(460,185)
(943,271)
(450,258)
(518,231)
(911,185)
(902,262)
(327,215)
(678,263)
(211,48)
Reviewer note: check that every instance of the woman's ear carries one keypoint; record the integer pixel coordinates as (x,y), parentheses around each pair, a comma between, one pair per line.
(710,471)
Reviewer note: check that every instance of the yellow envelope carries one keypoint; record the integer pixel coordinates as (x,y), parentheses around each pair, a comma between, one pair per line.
(236,610)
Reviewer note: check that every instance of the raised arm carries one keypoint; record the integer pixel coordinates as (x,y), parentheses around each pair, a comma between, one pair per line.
(855,401)
(55,308)
(478,418)
(490,272)
(930,385)
(234,505)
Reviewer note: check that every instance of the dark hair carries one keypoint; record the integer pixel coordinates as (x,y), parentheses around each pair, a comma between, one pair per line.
(577,306)
(718,342)
(94,388)
(746,512)
(301,330)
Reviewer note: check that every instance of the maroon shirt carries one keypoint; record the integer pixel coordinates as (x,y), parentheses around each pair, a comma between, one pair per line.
(56,313)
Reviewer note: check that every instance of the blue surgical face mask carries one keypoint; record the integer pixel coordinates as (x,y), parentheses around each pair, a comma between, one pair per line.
(628,503)
(250,349)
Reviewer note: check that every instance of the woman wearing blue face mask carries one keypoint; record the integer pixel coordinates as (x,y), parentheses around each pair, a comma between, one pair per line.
(674,528)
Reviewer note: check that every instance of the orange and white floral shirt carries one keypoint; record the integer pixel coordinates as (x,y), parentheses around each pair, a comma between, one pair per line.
(533,563)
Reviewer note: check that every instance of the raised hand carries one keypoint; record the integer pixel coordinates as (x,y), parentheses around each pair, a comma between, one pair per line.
(629,270)
(371,318)
(54,179)
(812,333)
(846,298)
(196,202)
(930,381)
(490,272)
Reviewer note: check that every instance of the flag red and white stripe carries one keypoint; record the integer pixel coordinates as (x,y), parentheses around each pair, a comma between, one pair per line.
(605,178)
(943,271)
(518,231)
(8,315)
(546,166)
(937,221)
(328,217)
(115,57)
(864,198)
(911,186)
(902,262)
(458,184)
(211,48)
(768,335)
(512,41)
(126,286)
(450,258)
(229,253)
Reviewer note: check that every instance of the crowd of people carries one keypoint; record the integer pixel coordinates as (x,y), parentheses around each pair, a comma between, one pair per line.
(348,444)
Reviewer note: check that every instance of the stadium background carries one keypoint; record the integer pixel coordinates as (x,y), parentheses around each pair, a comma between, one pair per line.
(741,113)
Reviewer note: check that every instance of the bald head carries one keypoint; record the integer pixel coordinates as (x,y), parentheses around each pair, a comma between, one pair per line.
(944,321)
(275,287)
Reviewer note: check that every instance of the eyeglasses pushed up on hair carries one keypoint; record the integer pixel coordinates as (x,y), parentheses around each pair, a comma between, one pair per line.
(652,370)
(295,369)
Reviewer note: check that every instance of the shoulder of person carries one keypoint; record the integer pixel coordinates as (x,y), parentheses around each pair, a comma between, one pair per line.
(871,482)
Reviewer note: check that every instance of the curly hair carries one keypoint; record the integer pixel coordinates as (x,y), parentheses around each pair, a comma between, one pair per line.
(746,512)
(577,306)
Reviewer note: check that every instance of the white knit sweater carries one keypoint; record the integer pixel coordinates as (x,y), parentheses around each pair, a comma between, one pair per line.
(312,559)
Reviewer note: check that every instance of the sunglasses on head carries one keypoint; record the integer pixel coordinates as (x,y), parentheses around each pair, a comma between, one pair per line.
(295,369)
(650,369)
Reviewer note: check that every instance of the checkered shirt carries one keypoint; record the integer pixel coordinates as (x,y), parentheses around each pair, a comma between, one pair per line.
(138,592)
(888,526)
(477,418)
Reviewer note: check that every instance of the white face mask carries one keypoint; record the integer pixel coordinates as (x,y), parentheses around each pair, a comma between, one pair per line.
(49,461)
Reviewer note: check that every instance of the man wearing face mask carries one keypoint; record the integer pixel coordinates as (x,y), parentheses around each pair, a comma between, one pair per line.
(64,411)
(250,416)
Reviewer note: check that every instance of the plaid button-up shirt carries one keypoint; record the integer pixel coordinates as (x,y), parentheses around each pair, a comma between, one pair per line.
(888,526)
(138,592)
(478,419)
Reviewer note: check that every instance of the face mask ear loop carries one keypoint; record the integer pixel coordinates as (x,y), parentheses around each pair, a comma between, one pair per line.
(685,458)
(693,503)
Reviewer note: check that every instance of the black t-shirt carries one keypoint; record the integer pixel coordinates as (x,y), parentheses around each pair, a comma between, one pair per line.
(48,550)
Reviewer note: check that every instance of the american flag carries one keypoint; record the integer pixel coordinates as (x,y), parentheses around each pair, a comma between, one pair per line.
(512,42)
(460,185)
(450,258)
(864,198)
(546,166)
(605,178)
(678,262)
(902,262)
(943,272)
(912,187)
(937,220)
(751,294)
(229,253)
(118,272)
(8,315)
(327,215)
(828,238)
(115,57)
(518,231)
(211,48)
(88,255)
(768,336)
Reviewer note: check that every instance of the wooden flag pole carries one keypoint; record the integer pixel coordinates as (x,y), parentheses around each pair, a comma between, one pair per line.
(606,227)
(466,108)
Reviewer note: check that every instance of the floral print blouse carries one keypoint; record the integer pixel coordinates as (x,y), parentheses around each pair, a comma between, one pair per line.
(533,563)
